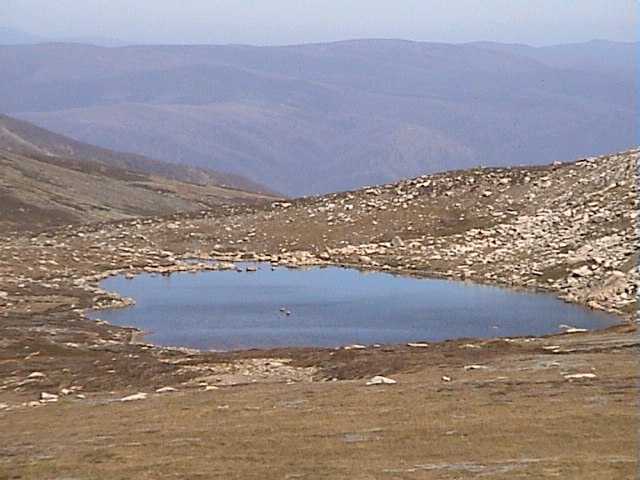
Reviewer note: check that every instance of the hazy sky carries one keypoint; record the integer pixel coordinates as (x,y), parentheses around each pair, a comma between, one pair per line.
(297,21)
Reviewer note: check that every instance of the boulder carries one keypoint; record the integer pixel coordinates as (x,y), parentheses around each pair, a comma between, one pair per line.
(380,380)
(134,397)
(397,242)
(580,376)
(166,390)
(48,397)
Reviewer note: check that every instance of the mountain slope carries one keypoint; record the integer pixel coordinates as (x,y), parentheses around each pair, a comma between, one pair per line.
(322,117)
(42,191)
(47,179)
(27,139)
(597,55)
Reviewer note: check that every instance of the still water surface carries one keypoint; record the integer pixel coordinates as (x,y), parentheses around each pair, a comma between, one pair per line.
(329,307)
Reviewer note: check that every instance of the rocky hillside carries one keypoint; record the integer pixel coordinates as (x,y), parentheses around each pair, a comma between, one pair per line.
(567,228)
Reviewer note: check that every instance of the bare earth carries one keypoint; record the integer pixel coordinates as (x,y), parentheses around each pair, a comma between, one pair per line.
(563,406)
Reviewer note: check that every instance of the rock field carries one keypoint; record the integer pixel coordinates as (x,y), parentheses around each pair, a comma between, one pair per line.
(570,229)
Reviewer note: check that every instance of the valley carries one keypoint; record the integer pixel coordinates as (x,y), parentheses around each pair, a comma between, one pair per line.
(325,117)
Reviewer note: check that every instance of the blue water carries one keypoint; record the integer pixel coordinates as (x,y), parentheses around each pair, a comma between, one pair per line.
(329,307)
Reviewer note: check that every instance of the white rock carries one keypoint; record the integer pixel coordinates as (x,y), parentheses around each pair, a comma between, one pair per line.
(355,346)
(166,390)
(48,397)
(446,378)
(571,329)
(36,375)
(380,380)
(134,397)
(575,330)
(418,345)
(578,376)
(583,271)
(397,242)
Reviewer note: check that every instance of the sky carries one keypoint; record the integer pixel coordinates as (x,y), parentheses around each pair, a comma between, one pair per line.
(273,22)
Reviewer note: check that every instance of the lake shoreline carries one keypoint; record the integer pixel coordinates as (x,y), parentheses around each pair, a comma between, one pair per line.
(480,295)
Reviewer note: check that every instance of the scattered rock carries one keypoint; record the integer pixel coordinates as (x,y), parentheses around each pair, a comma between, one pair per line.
(397,242)
(380,380)
(365,259)
(166,390)
(355,346)
(583,271)
(134,397)
(48,397)
(568,329)
(580,376)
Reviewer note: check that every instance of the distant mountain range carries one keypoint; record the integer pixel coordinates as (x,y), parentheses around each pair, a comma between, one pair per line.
(323,117)
(12,36)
